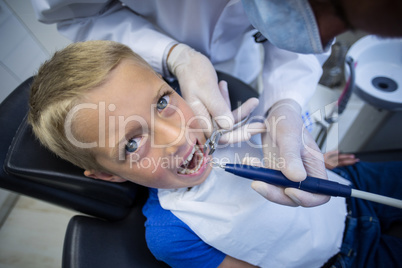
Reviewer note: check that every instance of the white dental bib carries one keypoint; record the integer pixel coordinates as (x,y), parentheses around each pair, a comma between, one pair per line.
(226,213)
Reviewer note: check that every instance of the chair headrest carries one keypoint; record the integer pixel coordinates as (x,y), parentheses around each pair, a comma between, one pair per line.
(27,158)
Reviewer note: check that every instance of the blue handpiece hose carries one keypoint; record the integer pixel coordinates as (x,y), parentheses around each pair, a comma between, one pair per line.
(310,184)
(275,177)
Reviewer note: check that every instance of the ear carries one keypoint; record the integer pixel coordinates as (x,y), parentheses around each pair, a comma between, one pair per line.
(99,175)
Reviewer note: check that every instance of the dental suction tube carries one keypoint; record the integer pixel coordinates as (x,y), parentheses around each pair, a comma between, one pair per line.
(310,184)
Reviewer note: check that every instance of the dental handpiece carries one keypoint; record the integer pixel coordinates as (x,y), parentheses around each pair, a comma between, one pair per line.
(310,184)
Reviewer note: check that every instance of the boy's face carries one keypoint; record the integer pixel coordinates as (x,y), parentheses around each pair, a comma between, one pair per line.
(145,132)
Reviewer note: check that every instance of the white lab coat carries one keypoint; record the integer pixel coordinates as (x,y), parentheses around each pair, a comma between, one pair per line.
(217,28)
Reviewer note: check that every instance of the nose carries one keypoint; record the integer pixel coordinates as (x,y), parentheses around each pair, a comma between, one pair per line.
(169,135)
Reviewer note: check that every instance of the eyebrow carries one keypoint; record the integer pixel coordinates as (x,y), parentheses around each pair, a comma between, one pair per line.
(116,152)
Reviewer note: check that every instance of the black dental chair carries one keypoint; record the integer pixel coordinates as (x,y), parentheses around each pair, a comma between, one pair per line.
(112,232)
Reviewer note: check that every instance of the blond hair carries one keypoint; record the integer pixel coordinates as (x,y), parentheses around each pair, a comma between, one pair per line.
(61,83)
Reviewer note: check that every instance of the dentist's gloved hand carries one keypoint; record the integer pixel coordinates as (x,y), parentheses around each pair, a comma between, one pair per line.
(289,147)
(199,86)
(246,131)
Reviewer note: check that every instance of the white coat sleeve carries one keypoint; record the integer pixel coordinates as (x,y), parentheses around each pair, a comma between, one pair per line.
(289,75)
(105,20)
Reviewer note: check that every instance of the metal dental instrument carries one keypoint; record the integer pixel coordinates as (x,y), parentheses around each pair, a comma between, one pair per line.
(212,142)
(310,184)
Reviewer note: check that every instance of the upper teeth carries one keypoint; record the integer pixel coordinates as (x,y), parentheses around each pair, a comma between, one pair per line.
(190,156)
(196,150)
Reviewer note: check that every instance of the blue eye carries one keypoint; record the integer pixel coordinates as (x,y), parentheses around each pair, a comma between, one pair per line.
(163,102)
(132,145)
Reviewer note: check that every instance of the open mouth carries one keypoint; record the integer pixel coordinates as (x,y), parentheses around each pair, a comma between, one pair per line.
(193,162)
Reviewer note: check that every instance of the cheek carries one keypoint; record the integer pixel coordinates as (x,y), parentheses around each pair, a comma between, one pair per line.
(192,121)
(158,177)
(145,172)
(185,114)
